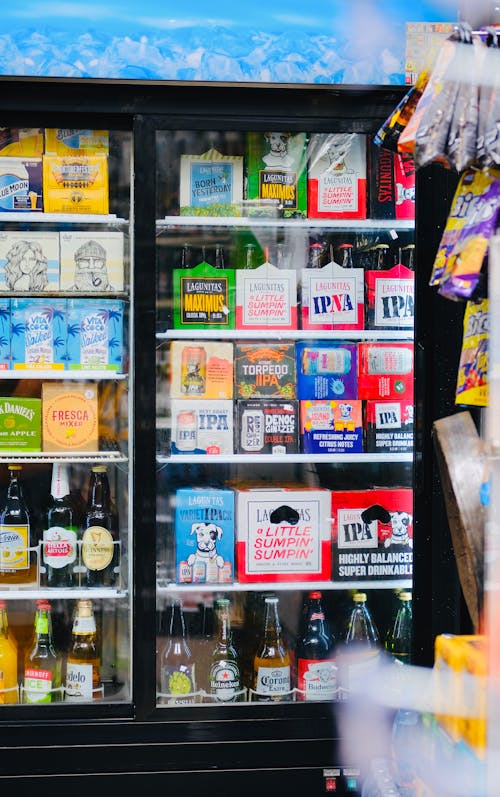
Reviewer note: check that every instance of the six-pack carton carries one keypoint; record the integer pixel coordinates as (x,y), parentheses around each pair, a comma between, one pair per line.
(21,185)
(331,427)
(389,427)
(266,298)
(332,297)
(385,371)
(20,424)
(68,141)
(21,142)
(276,174)
(92,262)
(390,298)
(336,185)
(204,297)
(74,184)
(5,335)
(326,370)
(70,418)
(265,370)
(201,369)
(266,427)
(29,261)
(95,335)
(38,333)
(202,427)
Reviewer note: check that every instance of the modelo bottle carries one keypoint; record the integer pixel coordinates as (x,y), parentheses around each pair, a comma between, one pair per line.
(177,666)
(315,653)
(17,543)
(271,664)
(225,673)
(83,666)
(100,538)
(43,662)
(59,549)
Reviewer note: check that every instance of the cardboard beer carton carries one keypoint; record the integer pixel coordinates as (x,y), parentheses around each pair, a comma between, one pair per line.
(29,261)
(390,297)
(276,174)
(70,419)
(385,371)
(326,370)
(95,335)
(336,182)
(21,185)
(266,427)
(266,298)
(62,141)
(391,184)
(75,184)
(20,424)
(389,427)
(201,369)
(332,297)
(211,184)
(265,370)
(5,335)
(92,261)
(21,142)
(38,333)
(331,427)
(204,297)
(202,427)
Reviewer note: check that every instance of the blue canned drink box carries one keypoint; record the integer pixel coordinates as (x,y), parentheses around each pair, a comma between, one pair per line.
(38,333)
(5,355)
(204,535)
(326,370)
(95,335)
(20,185)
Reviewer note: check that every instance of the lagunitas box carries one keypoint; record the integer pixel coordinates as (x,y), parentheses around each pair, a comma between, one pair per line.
(20,424)
(331,427)
(390,298)
(5,335)
(389,427)
(21,185)
(21,142)
(92,262)
(70,416)
(201,369)
(336,176)
(95,335)
(38,333)
(29,261)
(266,427)
(282,535)
(211,183)
(332,297)
(266,298)
(204,535)
(204,297)
(276,174)
(67,141)
(264,370)
(326,370)
(391,184)
(385,371)
(75,184)
(202,427)
(372,535)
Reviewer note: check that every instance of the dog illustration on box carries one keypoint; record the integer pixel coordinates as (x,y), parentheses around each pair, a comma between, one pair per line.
(206,562)
(399,522)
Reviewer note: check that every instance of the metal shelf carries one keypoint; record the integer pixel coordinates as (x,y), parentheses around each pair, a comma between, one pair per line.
(250,459)
(35,217)
(294,334)
(165,588)
(258,221)
(18,593)
(65,456)
(34,373)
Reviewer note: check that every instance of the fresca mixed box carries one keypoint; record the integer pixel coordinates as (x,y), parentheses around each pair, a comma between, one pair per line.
(372,534)
(21,185)
(29,261)
(266,298)
(385,371)
(282,534)
(202,427)
(204,535)
(336,184)
(389,427)
(95,335)
(332,297)
(75,184)
(326,370)
(264,370)
(276,174)
(92,261)
(201,369)
(204,297)
(20,424)
(390,298)
(266,427)
(38,333)
(70,416)
(331,427)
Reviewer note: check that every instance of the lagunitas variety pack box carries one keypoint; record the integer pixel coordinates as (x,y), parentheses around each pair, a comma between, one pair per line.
(385,371)
(75,184)
(331,427)
(201,369)
(336,183)
(29,261)
(70,416)
(391,184)
(266,427)
(91,261)
(38,333)
(332,297)
(95,335)
(276,174)
(372,534)
(202,427)
(204,297)
(326,370)
(67,141)
(282,535)
(264,370)
(390,298)
(204,535)
(266,298)
(21,185)
(389,427)
(20,424)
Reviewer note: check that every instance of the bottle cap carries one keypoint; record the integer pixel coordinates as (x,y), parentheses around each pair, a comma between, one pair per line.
(99,468)
(3,604)
(15,467)
(405,596)
(271,599)
(315,595)
(360,597)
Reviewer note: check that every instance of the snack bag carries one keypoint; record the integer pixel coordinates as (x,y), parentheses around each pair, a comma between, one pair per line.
(472,380)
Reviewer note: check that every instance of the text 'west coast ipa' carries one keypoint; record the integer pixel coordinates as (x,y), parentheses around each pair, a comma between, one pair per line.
(100,548)
(271,664)
(83,668)
(59,539)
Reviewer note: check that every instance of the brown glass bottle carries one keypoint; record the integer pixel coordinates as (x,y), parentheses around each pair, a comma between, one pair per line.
(100,539)
(17,561)
(83,667)
(316,668)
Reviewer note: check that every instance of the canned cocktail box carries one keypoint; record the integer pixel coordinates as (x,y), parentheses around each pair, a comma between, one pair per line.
(283,535)
(21,185)
(389,427)
(70,416)
(20,424)
(75,184)
(264,370)
(202,427)
(29,261)
(38,333)
(331,427)
(204,297)
(326,370)
(266,298)
(266,427)
(67,141)
(204,535)
(95,335)
(385,371)
(201,369)
(332,297)
(92,261)
(5,335)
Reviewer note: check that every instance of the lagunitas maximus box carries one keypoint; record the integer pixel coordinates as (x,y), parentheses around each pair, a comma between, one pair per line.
(385,371)
(336,176)
(20,424)
(391,184)
(92,261)
(276,174)
(282,535)
(201,369)
(267,427)
(38,333)
(202,427)
(326,370)
(266,298)
(331,427)
(264,370)
(5,335)
(204,535)
(332,297)
(70,416)
(95,335)
(372,534)
(21,185)
(390,298)
(204,297)
(21,142)
(29,261)
(67,141)
(389,427)
(75,184)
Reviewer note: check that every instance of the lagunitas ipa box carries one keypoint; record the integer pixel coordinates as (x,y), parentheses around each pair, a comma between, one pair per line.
(202,427)
(29,261)
(372,533)
(276,174)
(390,298)
(20,424)
(331,427)
(264,370)
(336,183)
(75,184)
(266,298)
(389,427)
(326,370)
(282,535)
(266,427)
(38,333)
(204,535)
(332,297)
(385,371)
(92,261)
(95,335)
(66,141)
(70,420)
(201,369)
(21,185)
(204,297)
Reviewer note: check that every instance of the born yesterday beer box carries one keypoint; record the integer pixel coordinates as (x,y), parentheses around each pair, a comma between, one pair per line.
(38,333)
(266,427)
(389,427)
(264,370)
(204,535)
(211,184)
(204,297)
(385,371)
(332,297)
(95,335)
(326,370)
(372,534)
(266,298)
(336,185)
(276,174)
(331,427)
(29,261)
(202,427)
(201,369)
(282,535)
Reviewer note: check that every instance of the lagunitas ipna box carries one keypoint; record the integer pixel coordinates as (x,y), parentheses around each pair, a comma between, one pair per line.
(29,261)
(264,370)
(385,371)
(332,297)
(266,427)
(21,185)
(277,174)
(201,369)
(266,298)
(70,416)
(38,333)
(331,427)
(20,424)
(389,427)
(204,535)
(336,184)
(75,184)
(326,370)
(95,335)
(282,535)
(372,534)
(202,427)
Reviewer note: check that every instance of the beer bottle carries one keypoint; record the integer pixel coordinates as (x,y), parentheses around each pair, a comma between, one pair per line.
(219,256)
(83,667)
(249,256)
(43,663)
(408,256)
(8,658)
(186,255)
(315,255)
(59,539)
(361,644)
(225,674)
(398,640)
(17,561)
(380,255)
(271,664)
(346,251)
(316,667)
(282,257)
(100,539)
(177,667)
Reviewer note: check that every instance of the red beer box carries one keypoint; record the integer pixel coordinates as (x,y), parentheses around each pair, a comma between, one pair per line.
(282,535)
(389,427)
(385,371)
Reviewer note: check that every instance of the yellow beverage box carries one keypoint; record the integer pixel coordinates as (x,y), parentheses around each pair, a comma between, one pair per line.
(66,141)
(75,184)
(21,142)
(70,420)
(447,672)
(476,672)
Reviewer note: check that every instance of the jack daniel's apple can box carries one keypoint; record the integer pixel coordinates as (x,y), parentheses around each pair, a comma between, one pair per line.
(372,533)
(283,535)
(276,174)
(92,262)
(38,333)
(326,370)
(201,369)
(266,427)
(390,297)
(20,424)
(385,371)
(264,370)
(202,427)
(29,261)
(204,297)
(331,427)
(336,184)
(266,298)
(75,184)
(389,427)
(21,185)
(95,335)
(204,535)
(332,297)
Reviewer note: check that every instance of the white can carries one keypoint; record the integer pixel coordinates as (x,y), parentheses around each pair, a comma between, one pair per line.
(252,430)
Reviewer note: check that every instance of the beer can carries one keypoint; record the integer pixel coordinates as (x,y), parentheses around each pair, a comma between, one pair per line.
(252,430)
(193,370)
(389,360)
(186,430)
(322,360)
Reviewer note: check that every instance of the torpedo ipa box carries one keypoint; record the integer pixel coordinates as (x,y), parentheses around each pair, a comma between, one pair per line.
(204,535)
(266,427)
(92,261)
(21,185)
(390,298)
(95,335)
(277,174)
(20,424)
(331,427)
(29,261)
(372,534)
(389,427)
(204,297)
(201,369)
(211,184)
(65,141)
(5,335)
(70,420)
(266,298)
(336,182)
(38,333)
(332,297)
(264,370)
(282,535)
(75,184)
(385,371)
(326,370)
(391,184)
(202,427)
(21,142)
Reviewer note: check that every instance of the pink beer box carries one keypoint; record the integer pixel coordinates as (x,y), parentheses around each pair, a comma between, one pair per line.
(282,535)
(385,371)
(331,427)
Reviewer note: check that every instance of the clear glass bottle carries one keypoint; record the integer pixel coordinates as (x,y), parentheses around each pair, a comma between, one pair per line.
(315,653)
(83,667)
(177,666)
(59,552)
(398,641)
(250,254)
(17,561)
(361,629)
(8,658)
(225,673)
(271,665)
(100,548)
(43,663)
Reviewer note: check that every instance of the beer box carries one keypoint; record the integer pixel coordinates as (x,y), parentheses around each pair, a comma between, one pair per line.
(75,184)
(211,183)
(332,297)
(29,261)
(70,420)
(391,184)
(385,371)
(276,172)
(20,424)
(264,370)
(267,427)
(372,535)
(92,261)
(201,369)
(38,333)
(331,427)
(62,141)
(390,298)
(95,335)
(204,297)
(204,535)
(266,298)
(336,181)
(389,427)
(202,427)
(21,142)
(326,370)
(283,535)
(5,335)
(20,185)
